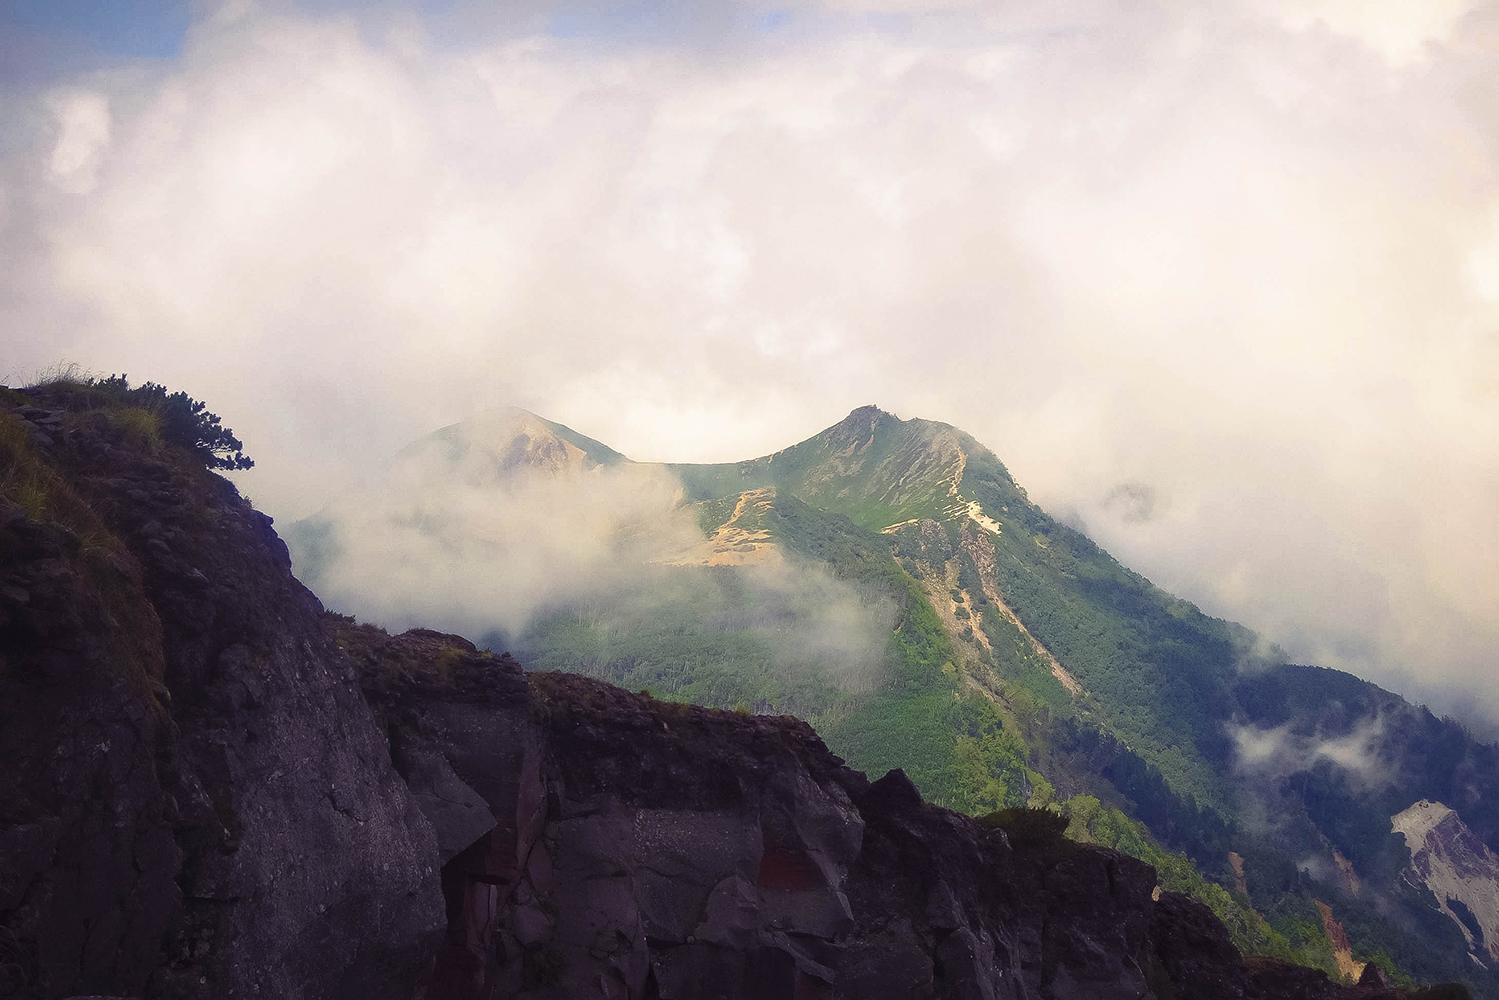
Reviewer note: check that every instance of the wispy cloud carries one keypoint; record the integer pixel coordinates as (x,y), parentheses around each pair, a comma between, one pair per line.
(469,533)
(1282,751)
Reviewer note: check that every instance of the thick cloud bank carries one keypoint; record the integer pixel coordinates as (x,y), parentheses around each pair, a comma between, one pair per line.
(1221,283)
(493,527)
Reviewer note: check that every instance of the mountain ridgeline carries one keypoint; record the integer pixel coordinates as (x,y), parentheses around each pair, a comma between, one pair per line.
(888,581)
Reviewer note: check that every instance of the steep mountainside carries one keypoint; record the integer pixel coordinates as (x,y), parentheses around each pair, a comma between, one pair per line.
(213,788)
(1003,658)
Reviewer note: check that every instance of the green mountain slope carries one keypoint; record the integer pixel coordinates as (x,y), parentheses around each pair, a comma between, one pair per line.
(1132,648)
(874,468)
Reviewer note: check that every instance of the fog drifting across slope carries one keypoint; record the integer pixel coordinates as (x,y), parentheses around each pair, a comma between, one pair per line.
(1279,752)
(467,557)
(485,529)
(781,636)
(1246,256)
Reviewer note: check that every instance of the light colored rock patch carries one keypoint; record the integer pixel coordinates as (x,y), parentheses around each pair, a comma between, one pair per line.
(1342,952)
(734,544)
(982,555)
(939,587)
(957,475)
(974,511)
(1236,862)
(971,509)
(1450,860)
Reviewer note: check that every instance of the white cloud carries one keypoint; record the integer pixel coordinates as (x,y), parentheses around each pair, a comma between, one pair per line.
(471,533)
(1483,261)
(83,137)
(1280,752)
(1399,30)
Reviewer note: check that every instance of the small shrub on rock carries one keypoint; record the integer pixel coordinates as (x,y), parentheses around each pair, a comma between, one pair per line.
(182,421)
(1029,828)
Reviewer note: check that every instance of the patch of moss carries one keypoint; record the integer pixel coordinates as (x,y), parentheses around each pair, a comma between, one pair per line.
(447,661)
(140,428)
(31,481)
(542,965)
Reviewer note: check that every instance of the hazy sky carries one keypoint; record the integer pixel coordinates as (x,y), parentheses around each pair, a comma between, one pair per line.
(1221,282)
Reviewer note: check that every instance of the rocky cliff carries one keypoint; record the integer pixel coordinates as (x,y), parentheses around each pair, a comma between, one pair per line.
(195,800)
(211,788)
(605,844)
(1459,869)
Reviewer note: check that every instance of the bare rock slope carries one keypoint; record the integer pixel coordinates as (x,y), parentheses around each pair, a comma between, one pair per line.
(1459,869)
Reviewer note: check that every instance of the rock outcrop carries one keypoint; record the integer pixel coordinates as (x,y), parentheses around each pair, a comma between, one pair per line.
(605,844)
(1459,869)
(196,800)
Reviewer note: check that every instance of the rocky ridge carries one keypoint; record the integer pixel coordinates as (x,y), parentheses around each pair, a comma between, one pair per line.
(197,801)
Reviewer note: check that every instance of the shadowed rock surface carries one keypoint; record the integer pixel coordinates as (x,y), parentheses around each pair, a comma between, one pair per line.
(194,798)
(641,848)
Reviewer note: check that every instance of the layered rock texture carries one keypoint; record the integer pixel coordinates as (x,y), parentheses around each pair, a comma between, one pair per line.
(1459,869)
(209,787)
(648,849)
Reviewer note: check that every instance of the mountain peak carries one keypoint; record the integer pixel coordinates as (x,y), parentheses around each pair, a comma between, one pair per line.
(859,426)
(495,445)
(867,415)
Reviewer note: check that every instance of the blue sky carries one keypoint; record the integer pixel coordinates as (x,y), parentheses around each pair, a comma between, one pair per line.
(43,40)
(47,38)
(153,30)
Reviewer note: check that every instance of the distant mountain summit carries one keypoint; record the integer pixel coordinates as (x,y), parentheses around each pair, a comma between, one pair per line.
(495,447)
(872,466)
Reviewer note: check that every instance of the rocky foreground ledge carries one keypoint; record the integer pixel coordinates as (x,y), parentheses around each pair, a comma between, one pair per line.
(209,787)
(601,843)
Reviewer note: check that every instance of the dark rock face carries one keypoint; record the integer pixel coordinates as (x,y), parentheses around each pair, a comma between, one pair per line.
(642,849)
(197,801)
